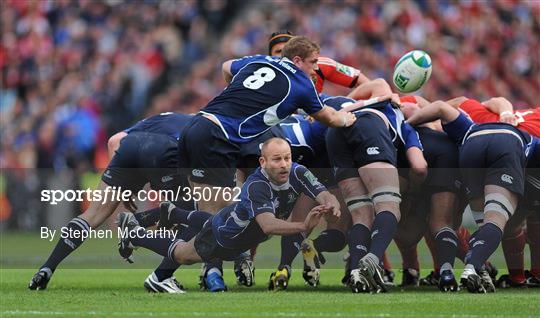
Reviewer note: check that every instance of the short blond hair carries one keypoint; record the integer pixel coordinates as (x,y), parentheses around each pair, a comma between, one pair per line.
(300,46)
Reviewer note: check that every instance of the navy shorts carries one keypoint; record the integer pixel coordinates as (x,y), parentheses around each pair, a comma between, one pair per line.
(209,249)
(142,158)
(493,159)
(211,157)
(366,141)
(442,156)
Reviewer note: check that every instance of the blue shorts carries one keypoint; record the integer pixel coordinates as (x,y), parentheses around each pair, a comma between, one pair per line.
(143,158)
(210,157)
(366,141)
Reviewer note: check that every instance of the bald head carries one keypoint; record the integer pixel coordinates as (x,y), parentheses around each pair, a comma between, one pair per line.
(274,144)
(276,159)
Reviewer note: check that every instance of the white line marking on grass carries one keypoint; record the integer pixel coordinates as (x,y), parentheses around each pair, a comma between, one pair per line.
(217,314)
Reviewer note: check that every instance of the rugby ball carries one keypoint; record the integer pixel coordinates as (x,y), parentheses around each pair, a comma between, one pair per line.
(412,71)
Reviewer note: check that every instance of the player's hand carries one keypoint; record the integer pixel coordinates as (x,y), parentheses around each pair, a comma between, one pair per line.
(314,217)
(392,97)
(508,118)
(334,209)
(348,118)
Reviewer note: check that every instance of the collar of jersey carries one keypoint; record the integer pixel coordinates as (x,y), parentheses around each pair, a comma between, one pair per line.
(284,59)
(274,186)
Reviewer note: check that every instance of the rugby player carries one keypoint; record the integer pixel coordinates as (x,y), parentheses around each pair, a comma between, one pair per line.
(364,162)
(147,154)
(266,199)
(514,237)
(492,158)
(327,68)
(262,92)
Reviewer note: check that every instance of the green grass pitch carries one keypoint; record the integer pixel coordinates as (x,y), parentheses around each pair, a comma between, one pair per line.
(95,283)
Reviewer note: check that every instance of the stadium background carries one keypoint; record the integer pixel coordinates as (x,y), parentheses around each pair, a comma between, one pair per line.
(76,72)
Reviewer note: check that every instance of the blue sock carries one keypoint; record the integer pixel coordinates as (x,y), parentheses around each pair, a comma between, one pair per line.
(290,246)
(147,218)
(194,219)
(167,267)
(330,241)
(66,246)
(484,242)
(383,231)
(358,243)
(164,246)
(446,246)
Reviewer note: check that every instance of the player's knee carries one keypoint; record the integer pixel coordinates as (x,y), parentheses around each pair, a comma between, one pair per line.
(382,85)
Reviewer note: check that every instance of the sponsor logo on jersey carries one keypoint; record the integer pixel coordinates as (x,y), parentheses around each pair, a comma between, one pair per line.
(290,198)
(373,151)
(344,69)
(197,173)
(506,178)
(311,178)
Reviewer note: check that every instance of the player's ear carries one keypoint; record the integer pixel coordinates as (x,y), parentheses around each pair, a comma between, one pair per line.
(262,161)
(296,60)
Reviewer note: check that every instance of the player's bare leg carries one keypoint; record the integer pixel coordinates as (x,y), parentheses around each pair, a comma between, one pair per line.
(361,210)
(382,181)
(498,203)
(94,216)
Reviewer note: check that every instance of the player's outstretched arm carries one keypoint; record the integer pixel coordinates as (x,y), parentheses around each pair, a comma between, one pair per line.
(271,225)
(333,118)
(502,107)
(436,110)
(369,89)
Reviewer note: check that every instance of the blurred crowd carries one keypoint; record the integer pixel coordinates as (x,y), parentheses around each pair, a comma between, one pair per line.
(75,72)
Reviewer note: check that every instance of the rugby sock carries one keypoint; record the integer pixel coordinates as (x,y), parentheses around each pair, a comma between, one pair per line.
(446,243)
(194,219)
(409,255)
(147,218)
(290,245)
(483,243)
(67,245)
(164,246)
(513,247)
(533,238)
(167,267)
(330,241)
(358,243)
(383,231)
(463,243)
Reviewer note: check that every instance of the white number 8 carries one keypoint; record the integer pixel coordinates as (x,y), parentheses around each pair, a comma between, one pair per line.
(259,77)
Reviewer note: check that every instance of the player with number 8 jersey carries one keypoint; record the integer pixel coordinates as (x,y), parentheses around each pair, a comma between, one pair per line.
(263,91)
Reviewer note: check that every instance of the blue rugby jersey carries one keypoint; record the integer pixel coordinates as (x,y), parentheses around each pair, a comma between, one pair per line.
(235,226)
(170,124)
(263,92)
